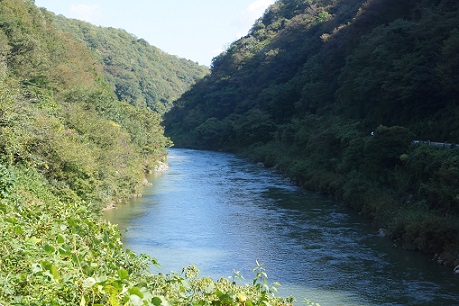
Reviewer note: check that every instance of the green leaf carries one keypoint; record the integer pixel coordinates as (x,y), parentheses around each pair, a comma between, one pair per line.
(136,291)
(18,230)
(102,279)
(60,239)
(77,259)
(34,240)
(89,282)
(46,265)
(49,249)
(157,301)
(123,274)
(117,285)
(65,250)
(55,272)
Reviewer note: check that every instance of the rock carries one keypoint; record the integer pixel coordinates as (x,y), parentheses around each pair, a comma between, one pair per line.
(161,167)
(109,207)
(440,260)
(146,183)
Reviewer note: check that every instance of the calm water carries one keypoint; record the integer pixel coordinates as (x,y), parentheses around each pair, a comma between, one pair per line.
(222,214)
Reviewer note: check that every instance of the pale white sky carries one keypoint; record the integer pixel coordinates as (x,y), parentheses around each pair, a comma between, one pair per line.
(194,29)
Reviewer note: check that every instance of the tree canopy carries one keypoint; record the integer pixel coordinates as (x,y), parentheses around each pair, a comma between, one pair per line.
(138,73)
(343,58)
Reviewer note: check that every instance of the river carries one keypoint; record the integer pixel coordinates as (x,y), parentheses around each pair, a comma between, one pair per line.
(222,214)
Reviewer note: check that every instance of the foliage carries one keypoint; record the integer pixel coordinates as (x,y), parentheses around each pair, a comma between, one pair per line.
(59,116)
(355,63)
(304,90)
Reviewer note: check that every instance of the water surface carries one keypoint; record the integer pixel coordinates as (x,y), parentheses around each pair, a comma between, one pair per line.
(222,214)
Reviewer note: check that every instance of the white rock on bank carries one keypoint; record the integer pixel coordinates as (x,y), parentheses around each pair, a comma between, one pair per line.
(161,167)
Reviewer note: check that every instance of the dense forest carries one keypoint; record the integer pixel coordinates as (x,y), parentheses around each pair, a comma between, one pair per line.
(71,143)
(140,74)
(335,93)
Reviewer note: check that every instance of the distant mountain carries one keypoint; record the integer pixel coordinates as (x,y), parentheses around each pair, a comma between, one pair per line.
(139,73)
(334,92)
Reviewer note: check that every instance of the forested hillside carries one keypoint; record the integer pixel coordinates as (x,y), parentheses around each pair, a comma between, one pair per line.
(58,115)
(139,73)
(68,147)
(334,92)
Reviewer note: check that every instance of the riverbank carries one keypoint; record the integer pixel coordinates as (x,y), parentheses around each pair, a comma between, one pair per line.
(412,197)
(159,167)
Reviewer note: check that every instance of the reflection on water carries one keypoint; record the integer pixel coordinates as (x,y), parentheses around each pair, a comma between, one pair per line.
(222,214)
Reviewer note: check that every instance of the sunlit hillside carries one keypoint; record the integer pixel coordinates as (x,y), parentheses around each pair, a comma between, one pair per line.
(139,73)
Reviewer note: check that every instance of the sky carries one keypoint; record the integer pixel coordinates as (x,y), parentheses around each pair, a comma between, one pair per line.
(193,29)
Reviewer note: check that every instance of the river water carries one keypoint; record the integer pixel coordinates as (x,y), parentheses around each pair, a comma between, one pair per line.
(223,214)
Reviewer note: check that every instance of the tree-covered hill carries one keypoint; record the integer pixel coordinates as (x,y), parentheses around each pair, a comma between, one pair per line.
(377,62)
(334,92)
(68,146)
(140,74)
(59,116)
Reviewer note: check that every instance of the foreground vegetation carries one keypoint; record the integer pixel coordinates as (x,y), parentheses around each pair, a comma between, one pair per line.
(60,253)
(311,83)
(68,148)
